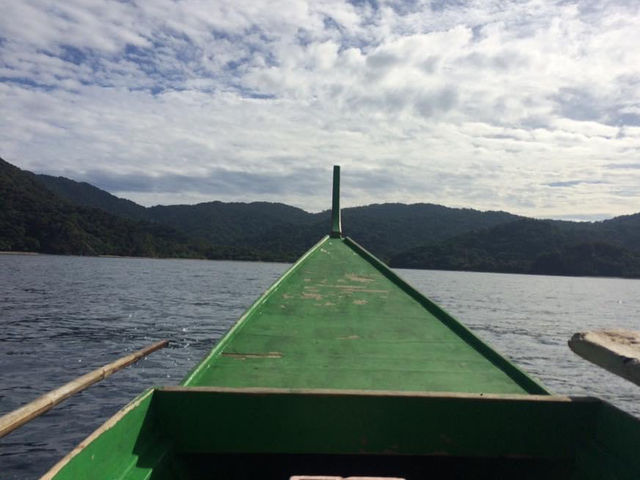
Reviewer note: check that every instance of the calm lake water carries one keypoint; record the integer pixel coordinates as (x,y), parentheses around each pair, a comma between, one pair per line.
(63,316)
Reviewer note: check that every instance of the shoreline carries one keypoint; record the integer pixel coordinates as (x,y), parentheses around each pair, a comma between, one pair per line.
(15,253)
(9,252)
(30,254)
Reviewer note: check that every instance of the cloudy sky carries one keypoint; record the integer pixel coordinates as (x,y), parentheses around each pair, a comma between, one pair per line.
(527,106)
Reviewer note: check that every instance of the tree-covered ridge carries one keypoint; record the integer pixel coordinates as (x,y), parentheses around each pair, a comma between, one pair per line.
(78,218)
(287,232)
(232,224)
(32,218)
(85,194)
(229,223)
(528,246)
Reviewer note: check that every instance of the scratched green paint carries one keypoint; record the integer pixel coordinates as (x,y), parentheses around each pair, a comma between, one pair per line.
(335,321)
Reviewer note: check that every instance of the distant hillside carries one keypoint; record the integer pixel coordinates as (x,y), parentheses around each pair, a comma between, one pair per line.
(285,231)
(33,218)
(85,194)
(589,259)
(229,223)
(390,228)
(527,246)
(623,230)
(386,229)
(409,236)
(218,223)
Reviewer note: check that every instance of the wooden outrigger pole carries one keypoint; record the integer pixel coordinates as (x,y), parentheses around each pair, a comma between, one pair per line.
(46,402)
(617,351)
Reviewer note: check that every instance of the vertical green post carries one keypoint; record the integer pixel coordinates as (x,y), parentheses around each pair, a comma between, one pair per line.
(336,222)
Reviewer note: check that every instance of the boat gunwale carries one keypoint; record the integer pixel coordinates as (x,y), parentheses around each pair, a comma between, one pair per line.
(331,392)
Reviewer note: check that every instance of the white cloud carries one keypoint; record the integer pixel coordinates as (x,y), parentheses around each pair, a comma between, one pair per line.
(482,104)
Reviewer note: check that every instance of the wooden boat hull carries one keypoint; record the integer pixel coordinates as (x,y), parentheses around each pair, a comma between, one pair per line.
(341,319)
(214,432)
(341,368)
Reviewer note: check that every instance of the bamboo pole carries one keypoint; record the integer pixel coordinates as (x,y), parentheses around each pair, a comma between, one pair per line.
(37,407)
(615,350)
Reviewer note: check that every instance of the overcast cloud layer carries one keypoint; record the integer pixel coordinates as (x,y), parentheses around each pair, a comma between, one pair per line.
(527,106)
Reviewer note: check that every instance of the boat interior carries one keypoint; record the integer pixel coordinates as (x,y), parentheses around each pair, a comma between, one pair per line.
(242,434)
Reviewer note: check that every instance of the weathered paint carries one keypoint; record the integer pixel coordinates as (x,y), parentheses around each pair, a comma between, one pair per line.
(339,318)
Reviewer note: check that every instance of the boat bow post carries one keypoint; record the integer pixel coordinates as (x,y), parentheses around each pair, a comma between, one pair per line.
(336,220)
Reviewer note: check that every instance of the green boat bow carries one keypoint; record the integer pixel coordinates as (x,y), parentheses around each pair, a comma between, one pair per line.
(342,368)
(341,319)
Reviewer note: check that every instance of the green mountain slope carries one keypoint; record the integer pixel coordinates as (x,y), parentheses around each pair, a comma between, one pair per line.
(85,194)
(528,246)
(411,236)
(219,223)
(286,232)
(590,259)
(229,223)
(34,219)
(387,229)
(623,230)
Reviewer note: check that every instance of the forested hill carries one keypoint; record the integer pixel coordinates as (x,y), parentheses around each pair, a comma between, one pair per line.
(286,231)
(32,218)
(59,215)
(85,194)
(535,246)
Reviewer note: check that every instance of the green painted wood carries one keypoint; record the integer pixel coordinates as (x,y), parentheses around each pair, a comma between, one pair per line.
(341,319)
(531,385)
(178,432)
(336,220)
(612,449)
(128,446)
(368,423)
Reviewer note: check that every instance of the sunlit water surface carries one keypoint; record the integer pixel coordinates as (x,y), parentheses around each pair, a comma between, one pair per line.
(63,316)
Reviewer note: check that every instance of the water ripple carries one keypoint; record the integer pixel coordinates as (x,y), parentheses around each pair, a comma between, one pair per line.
(63,316)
